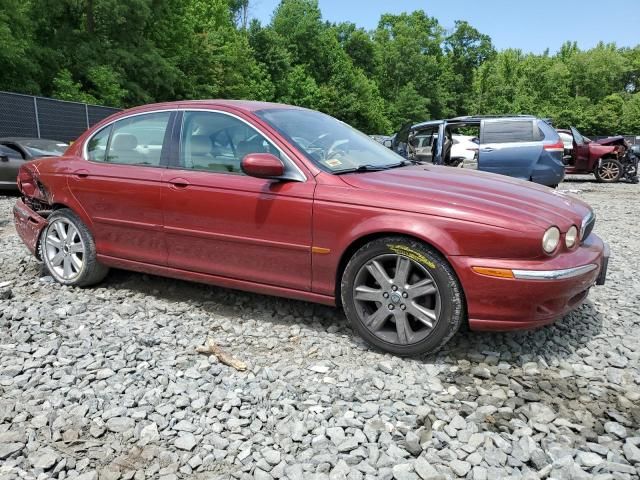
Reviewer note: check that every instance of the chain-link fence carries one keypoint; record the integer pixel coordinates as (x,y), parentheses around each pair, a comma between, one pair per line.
(39,117)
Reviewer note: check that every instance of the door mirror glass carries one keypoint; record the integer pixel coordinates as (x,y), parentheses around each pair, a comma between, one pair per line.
(262,165)
(387,143)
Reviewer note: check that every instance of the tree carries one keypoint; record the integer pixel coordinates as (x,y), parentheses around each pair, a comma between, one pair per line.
(466,50)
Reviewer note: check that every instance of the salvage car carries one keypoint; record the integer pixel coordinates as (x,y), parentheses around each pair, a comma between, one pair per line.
(519,146)
(286,201)
(609,159)
(15,150)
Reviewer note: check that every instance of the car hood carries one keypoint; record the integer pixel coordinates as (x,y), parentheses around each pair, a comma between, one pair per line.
(471,195)
(610,140)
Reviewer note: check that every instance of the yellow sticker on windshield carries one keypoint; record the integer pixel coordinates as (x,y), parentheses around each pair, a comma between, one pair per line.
(333,163)
(412,254)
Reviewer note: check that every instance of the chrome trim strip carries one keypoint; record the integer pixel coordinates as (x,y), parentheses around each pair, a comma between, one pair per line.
(288,160)
(589,217)
(554,274)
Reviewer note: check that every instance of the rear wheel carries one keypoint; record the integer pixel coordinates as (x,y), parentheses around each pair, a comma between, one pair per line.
(69,252)
(402,296)
(609,171)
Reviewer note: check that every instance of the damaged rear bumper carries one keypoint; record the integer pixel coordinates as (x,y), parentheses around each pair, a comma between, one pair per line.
(29,225)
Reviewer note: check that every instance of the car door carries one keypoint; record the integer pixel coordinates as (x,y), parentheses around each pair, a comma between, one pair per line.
(222,222)
(509,146)
(10,162)
(580,151)
(119,184)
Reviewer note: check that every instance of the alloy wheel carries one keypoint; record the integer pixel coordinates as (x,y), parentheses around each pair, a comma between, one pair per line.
(64,249)
(397,299)
(609,171)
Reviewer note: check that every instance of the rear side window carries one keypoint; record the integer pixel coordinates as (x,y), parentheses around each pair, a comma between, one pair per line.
(511,131)
(132,141)
(97,146)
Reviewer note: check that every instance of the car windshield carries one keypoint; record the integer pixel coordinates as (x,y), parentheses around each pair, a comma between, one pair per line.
(331,144)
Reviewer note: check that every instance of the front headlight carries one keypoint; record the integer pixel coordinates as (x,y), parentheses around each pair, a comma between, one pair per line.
(550,239)
(571,236)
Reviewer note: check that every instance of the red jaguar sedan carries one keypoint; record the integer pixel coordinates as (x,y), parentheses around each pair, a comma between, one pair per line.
(287,201)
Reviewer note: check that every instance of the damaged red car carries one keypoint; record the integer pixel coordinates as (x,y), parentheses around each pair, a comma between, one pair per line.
(287,201)
(609,159)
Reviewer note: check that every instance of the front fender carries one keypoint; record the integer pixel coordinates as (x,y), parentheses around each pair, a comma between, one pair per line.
(338,227)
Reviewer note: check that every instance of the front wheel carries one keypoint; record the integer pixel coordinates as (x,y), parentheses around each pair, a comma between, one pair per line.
(609,171)
(69,252)
(401,296)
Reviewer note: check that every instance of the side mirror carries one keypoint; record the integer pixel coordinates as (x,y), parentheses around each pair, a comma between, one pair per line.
(262,165)
(387,143)
(4,158)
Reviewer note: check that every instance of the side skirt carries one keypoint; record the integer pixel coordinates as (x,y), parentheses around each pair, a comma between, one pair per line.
(216,280)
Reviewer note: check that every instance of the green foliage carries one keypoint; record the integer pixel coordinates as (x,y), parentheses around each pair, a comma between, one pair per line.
(65,88)
(409,68)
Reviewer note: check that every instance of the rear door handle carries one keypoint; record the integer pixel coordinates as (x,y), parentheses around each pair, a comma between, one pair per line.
(486,149)
(179,183)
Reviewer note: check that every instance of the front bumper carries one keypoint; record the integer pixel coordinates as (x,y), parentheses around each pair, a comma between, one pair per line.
(540,293)
(29,225)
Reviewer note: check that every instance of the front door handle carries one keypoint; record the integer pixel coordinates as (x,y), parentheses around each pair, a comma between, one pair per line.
(81,173)
(486,149)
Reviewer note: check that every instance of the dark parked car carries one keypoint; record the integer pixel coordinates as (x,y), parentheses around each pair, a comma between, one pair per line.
(286,201)
(522,146)
(15,150)
(608,159)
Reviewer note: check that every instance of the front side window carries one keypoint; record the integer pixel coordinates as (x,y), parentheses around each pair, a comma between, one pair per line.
(217,142)
(136,140)
(329,143)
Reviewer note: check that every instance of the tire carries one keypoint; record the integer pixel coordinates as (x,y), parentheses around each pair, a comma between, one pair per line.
(609,171)
(68,251)
(420,287)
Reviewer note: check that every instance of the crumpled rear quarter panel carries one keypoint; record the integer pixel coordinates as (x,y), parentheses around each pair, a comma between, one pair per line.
(29,225)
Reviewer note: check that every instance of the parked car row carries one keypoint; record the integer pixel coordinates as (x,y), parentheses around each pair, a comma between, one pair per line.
(287,201)
(520,146)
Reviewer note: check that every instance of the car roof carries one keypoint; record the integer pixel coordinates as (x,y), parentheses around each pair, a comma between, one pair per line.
(483,117)
(246,105)
(471,118)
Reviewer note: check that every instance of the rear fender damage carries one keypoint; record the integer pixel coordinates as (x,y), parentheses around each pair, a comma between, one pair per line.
(31,211)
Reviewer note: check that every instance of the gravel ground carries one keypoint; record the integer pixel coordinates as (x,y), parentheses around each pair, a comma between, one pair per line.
(105,382)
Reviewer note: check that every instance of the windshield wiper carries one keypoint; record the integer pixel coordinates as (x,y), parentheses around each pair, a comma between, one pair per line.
(372,168)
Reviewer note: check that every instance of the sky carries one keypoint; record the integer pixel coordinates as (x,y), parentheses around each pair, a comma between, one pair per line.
(530,26)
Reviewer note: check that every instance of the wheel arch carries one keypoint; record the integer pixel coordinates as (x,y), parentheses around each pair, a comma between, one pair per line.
(362,240)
